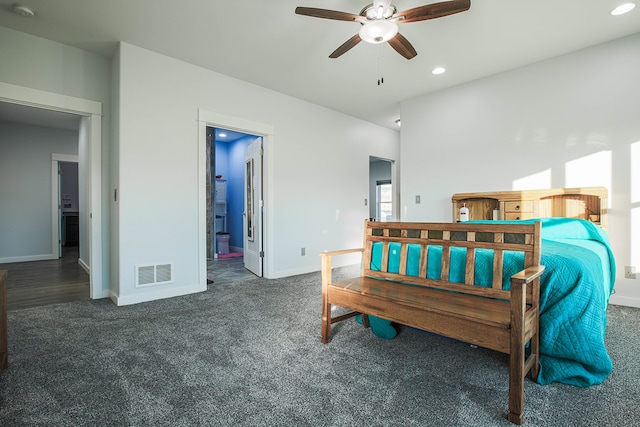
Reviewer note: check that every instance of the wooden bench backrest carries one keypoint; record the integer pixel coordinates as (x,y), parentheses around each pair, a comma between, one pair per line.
(498,237)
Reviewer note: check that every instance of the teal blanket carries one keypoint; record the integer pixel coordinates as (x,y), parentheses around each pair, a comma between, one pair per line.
(574,293)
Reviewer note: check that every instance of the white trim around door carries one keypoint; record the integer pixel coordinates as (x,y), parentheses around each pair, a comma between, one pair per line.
(91,113)
(266,131)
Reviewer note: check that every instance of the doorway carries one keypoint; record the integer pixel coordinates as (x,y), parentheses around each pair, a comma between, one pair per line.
(65,209)
(32,217)
(232,247)
(90,142)
(381,189)
(208,119)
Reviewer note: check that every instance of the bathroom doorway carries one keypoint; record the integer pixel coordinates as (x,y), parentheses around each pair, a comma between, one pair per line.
(227,221)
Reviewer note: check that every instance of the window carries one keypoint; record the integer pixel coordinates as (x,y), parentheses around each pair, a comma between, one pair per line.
(384,201)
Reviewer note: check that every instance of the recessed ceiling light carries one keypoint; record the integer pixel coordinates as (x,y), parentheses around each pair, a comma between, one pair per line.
(222,135)
(438,70)
(623,8)
(25,11)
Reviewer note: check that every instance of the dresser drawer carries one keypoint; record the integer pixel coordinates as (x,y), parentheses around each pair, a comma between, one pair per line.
(510,216)
(519,206)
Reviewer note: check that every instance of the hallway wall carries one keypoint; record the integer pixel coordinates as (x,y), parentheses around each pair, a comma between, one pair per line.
(25,188)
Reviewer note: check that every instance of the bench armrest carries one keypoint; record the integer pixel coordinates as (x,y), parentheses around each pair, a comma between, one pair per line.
(326,262)
(340,252)
(528,274)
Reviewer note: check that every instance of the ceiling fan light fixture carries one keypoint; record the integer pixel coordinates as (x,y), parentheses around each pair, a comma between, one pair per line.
(371,12)
(623,8)
(24,11)
(378,31)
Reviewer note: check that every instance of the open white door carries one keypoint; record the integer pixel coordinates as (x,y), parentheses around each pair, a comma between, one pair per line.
(253,204)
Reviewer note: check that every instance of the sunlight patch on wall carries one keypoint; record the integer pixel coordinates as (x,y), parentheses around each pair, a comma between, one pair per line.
(635,236)
(540,180)
(635,172)
(593,170)
(634,229)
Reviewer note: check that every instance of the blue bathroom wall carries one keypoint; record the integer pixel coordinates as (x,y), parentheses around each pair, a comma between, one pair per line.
(229,163)
(221,159)
(235,187)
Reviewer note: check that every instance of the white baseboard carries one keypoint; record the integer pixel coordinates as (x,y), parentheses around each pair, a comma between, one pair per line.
(292,272)
(625,301)
(42,257)
(156,294)
(105,293)
(84,266)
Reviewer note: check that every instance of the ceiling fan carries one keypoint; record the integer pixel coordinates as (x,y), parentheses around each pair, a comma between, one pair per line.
(380,21)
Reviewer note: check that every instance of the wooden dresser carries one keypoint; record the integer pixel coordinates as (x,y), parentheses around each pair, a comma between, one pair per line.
(4,358)
(588,203)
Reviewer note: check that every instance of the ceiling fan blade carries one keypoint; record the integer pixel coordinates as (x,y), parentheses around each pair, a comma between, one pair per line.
(344,47)
(402,46)
(327,14)
(431,11)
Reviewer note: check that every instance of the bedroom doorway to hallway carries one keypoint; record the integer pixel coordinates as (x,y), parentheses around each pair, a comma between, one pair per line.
(381,189)
(90,113)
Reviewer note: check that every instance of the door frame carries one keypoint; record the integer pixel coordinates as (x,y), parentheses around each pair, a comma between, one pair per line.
(238,124)
(395,185)
(91,115)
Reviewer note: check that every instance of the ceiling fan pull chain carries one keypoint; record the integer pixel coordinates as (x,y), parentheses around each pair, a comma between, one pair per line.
(380,71)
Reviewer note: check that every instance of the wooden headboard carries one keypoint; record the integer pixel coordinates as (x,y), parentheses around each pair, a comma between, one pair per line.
(588,203)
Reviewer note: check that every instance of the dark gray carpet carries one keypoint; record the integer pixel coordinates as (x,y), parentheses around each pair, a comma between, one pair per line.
(249,354)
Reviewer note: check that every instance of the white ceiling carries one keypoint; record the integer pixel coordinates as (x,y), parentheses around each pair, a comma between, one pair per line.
(38,116)
(266,43)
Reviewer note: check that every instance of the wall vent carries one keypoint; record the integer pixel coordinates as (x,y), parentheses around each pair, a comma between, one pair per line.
(148,275)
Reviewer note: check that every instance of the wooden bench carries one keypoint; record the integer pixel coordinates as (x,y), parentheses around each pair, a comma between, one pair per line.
(490,317)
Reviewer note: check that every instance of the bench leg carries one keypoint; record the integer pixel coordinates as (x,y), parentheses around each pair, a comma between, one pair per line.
(326,321)
(517,354)
(365,320)
(326,306)
(516,386)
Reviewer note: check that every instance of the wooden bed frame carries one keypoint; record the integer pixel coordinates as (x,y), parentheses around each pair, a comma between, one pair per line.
(501,320)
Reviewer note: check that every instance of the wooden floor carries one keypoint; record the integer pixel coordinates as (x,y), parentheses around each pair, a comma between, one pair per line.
(37,283)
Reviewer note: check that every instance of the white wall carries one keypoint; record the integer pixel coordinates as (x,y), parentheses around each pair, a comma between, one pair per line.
(25,188)
(84,179)
(33,62)
(566,122)
(317,177)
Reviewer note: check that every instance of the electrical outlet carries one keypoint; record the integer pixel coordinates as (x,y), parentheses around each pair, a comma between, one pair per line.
(629,272)
(303,251)
(417,200)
